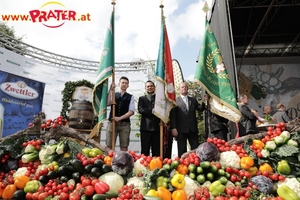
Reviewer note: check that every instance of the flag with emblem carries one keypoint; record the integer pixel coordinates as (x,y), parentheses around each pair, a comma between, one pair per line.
(106,66)
(212,75)
(165,91)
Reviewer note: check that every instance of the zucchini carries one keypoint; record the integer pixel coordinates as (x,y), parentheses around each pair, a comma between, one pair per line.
(148,197)
(104,196)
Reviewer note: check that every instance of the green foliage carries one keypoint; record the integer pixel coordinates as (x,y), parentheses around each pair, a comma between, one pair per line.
(13,146)
(4,28)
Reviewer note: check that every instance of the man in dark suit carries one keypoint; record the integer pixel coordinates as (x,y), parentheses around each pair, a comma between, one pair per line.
(183,120)
(218,126)
(247,124)
(149,127)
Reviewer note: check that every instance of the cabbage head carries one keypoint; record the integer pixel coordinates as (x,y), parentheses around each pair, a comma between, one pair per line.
(122,163)
(208,152)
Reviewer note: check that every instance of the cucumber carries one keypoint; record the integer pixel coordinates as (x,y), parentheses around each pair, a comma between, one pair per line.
(147,197)
(104,196)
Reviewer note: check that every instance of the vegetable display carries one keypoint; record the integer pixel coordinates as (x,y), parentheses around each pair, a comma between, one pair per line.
(266,169)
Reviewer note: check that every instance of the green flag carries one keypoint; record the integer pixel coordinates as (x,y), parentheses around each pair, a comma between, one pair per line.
(212,75)
(107,62)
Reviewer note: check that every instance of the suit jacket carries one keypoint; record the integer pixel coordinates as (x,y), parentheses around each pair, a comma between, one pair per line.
(149,122)
(247,122)
(185,120)
(217,123)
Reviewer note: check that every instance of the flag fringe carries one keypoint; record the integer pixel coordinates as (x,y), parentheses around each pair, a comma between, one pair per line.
(235,113)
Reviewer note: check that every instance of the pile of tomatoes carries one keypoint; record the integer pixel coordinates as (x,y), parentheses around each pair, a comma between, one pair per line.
(59,121)
(274,131)
(224,146)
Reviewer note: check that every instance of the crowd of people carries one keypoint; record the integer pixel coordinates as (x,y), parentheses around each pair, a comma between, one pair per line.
(183,123)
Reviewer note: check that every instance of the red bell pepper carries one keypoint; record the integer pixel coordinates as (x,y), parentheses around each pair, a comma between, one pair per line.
(101,187)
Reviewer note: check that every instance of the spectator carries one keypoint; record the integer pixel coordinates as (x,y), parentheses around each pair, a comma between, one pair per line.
(247,123)
(267,110)
(184,125)
(149,128)
(281,114)
(124,109)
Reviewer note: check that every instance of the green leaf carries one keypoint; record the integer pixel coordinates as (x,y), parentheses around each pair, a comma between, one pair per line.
(285,151)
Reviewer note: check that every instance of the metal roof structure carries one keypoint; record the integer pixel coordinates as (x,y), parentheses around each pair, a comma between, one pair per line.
(71,63)
(265,28)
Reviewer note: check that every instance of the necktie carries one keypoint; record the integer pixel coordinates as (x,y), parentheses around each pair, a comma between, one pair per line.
(185,99)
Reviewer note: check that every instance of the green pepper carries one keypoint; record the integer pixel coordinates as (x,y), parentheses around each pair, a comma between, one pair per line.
(216,188)
(32,186)
(287,193)
(162,181)
(283,167)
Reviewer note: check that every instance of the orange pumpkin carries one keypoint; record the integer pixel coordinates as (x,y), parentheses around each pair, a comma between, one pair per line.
(155,163)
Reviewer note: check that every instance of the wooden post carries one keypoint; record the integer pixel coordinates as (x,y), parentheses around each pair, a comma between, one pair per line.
(161,139)
(113,137)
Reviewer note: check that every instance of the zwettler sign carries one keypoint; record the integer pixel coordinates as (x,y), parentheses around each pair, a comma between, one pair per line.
(21,98)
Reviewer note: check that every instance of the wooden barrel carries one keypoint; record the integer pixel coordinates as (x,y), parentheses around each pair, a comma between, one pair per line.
(81,115)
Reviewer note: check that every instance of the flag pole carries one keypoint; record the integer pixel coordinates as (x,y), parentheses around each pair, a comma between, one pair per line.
(161,122)
(206,112)
(113,137)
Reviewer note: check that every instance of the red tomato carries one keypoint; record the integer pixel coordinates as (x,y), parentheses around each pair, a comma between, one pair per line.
(236,192)
(228,169)
(233,198)
(43,195)
(89,190)
(219,198)
(281,177)
(94,181)
(29,195)
(229,191)
(282,124)
(86,182)
(35,196)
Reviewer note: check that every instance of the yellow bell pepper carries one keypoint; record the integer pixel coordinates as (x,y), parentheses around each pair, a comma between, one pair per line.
(164,193)
(178,181)
(246,162)
(152,193)
(265,167)
(182,169)
(179,195)
(253,170)
(258,144)
(20,181)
